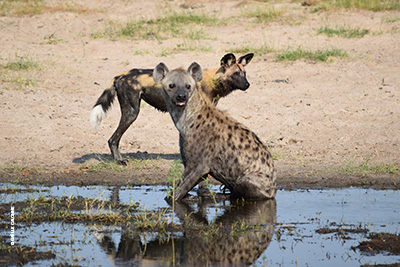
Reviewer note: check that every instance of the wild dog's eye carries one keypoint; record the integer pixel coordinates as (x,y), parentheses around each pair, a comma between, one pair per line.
(188,86)
(171,85)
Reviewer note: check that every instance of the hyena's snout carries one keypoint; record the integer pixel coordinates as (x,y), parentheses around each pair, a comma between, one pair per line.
(180,99)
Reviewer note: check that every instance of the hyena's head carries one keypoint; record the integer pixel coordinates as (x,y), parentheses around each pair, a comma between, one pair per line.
(178,84)
(232,72)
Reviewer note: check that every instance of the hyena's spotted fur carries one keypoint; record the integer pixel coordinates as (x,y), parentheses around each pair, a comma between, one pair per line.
(137,84)
(212,142)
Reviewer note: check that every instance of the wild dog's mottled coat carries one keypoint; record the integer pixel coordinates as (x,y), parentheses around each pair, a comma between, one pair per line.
(212,142)
(137,84)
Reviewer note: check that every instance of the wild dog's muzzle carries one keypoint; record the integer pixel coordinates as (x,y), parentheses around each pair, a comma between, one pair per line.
(245,86)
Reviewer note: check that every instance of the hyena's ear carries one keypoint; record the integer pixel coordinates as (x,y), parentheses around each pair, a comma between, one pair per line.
(159,72)
(244,60)
(195,71)
(228,60)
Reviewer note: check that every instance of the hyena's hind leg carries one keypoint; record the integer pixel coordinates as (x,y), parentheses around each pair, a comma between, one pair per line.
(256,186)
(129,101)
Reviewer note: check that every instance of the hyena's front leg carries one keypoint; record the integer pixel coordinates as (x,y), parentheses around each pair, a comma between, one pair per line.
(191,178)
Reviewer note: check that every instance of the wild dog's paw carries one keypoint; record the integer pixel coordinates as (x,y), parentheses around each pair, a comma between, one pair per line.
(122,162)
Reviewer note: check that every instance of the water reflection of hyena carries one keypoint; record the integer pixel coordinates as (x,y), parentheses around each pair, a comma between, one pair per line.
(238,236)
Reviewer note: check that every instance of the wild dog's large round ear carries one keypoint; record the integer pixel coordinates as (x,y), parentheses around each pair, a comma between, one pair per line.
(159,72)
(244,60)
(195,71)
(228,60)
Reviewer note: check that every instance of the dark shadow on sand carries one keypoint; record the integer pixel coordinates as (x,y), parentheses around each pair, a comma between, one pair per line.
(138,155)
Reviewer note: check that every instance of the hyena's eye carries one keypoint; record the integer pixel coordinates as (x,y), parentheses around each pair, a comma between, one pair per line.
(171,85)
(188,86)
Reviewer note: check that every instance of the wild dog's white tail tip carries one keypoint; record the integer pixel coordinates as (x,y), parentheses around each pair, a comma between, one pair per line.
(96,116)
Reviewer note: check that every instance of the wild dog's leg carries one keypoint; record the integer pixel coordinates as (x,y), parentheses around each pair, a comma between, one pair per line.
(191,178)
(129,101)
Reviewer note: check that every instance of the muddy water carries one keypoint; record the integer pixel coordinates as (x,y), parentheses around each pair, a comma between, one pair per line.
(281,232)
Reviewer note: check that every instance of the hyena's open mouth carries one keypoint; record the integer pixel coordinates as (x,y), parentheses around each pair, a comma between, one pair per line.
(180,103)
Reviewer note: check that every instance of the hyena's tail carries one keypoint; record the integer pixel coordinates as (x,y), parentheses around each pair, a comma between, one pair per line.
(102,105)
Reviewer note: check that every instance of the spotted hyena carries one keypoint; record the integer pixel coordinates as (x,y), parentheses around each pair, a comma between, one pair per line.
(137,84)
(211,141)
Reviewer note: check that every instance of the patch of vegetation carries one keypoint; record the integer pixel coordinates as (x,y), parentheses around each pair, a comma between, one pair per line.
(391,19)
(173,24)
(175,175)
(260,51)
(21,63)
(68,7)
(79,209)
(19,82)
(52,39)
(19,255)
(365,166)
(343,32)
(176,171)
(21,7)
(20,169)
(36,7)
(342,231)
(370,5)
(184,47)
(278,155)
(13,190)
(174,18)
(264,14)
(316,56)
(381,242)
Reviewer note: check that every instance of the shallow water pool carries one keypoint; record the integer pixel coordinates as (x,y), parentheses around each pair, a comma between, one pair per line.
(281,232)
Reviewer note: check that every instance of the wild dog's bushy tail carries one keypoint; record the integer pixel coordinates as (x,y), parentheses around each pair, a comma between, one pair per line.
(102,105)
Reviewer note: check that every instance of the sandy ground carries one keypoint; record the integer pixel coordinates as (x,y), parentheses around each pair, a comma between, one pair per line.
(317,117)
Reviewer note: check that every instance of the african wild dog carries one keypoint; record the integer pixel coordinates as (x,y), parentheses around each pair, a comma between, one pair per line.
(137,84)
(212,142)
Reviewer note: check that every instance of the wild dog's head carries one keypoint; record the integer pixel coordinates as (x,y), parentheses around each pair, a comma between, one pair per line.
(178,84)
(232,72)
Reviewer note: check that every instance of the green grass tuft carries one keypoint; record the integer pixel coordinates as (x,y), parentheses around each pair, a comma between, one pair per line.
(184,47)
(316,56)
(343,32)
(52,39)
(36,7)
(365,166)
(260,51)
(391,19)
(370,5)
(187,25)
(21,63)
(263,15)
(184,18)
(21,7)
